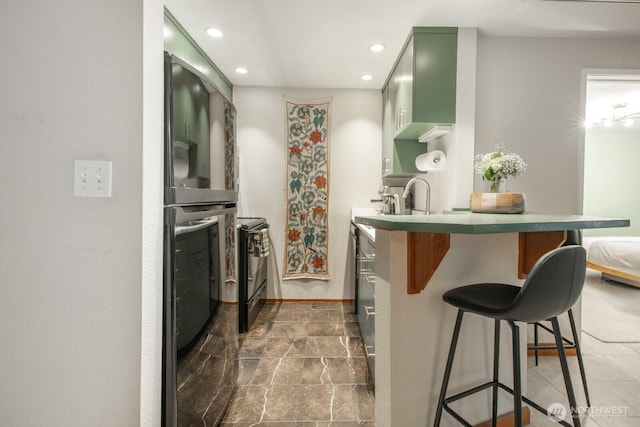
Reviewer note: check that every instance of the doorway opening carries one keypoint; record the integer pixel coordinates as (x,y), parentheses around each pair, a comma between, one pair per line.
(611,148)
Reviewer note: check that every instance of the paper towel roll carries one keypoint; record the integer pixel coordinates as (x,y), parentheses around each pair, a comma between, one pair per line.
(432,161)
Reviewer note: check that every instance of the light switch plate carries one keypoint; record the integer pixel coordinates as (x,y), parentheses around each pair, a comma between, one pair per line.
(92,178)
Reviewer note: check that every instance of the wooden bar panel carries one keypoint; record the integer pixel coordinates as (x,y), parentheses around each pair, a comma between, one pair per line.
(425,251)
(508,419)
(550,352)
(532,245)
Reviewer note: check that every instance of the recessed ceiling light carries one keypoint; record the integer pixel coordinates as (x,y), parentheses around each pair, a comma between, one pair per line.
(214,32)
(241,70)
(366,77)
(378,47)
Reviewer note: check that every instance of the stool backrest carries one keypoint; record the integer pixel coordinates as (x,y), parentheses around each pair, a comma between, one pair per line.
(552,287)
(574,237)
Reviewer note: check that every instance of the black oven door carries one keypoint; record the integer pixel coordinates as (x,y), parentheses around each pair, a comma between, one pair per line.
(257,287)
(253,261)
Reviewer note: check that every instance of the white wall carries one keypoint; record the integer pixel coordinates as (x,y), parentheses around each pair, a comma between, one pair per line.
(455,182)
(530,98)
(71,268)
(355,155)
(611,177)
(152,215)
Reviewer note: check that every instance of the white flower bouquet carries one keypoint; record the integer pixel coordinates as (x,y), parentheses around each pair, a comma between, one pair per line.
(498,166)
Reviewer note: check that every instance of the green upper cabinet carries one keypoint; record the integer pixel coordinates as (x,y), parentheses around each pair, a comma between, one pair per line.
(400,89)
(178,42)
(419,93)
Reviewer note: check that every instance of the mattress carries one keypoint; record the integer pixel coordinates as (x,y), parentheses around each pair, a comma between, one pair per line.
(614,255)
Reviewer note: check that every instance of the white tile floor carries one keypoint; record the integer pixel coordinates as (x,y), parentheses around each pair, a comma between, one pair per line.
(613,376)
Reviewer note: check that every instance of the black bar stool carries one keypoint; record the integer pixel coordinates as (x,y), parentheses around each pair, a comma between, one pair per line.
(574,237)
(552,287)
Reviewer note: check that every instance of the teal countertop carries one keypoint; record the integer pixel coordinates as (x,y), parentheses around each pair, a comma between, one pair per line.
(478,223)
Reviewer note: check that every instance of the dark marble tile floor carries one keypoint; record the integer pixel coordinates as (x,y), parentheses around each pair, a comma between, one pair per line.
(302,364)
(206,371)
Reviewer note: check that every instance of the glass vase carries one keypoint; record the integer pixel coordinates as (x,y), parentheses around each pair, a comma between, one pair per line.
(496,186)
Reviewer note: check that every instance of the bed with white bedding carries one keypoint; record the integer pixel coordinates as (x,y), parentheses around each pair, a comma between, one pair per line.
(617,257)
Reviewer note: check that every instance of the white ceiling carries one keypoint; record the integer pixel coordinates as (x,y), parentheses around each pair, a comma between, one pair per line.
(324,43)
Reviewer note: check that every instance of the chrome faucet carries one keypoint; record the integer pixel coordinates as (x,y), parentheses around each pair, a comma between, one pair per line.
(408,187)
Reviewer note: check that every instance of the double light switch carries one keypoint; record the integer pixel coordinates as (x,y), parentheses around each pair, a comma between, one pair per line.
(92,178)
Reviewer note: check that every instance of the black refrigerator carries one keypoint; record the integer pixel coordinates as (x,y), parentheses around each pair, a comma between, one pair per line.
(200,195)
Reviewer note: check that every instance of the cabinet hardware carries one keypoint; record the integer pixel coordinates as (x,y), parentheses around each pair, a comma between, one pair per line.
(370,350)
(401,118)
(369,311)
(367,272)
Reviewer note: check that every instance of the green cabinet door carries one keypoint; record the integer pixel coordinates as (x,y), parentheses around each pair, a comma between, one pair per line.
(402,88)
(178,42)
(387,132)
(420,93)
(435,69)
(367,298)
(399,155)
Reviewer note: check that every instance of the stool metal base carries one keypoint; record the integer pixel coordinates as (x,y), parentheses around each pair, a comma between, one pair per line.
(495,384)
(568,344)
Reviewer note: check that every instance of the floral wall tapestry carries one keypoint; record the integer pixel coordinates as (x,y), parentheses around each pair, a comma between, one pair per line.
(307,192)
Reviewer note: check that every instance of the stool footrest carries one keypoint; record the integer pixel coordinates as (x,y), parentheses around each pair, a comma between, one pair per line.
(484,386)
(470,391)
(568,342)
(550,347)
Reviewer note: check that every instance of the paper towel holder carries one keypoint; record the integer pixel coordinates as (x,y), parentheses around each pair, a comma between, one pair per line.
(432,161)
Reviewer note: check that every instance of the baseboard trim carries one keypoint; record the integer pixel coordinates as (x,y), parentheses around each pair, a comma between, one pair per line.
(507,420)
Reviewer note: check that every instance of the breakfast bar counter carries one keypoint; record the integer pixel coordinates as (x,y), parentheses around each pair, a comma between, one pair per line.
(418,258)
(477,223)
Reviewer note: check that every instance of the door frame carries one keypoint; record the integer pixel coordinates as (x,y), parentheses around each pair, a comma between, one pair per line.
(584,79)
